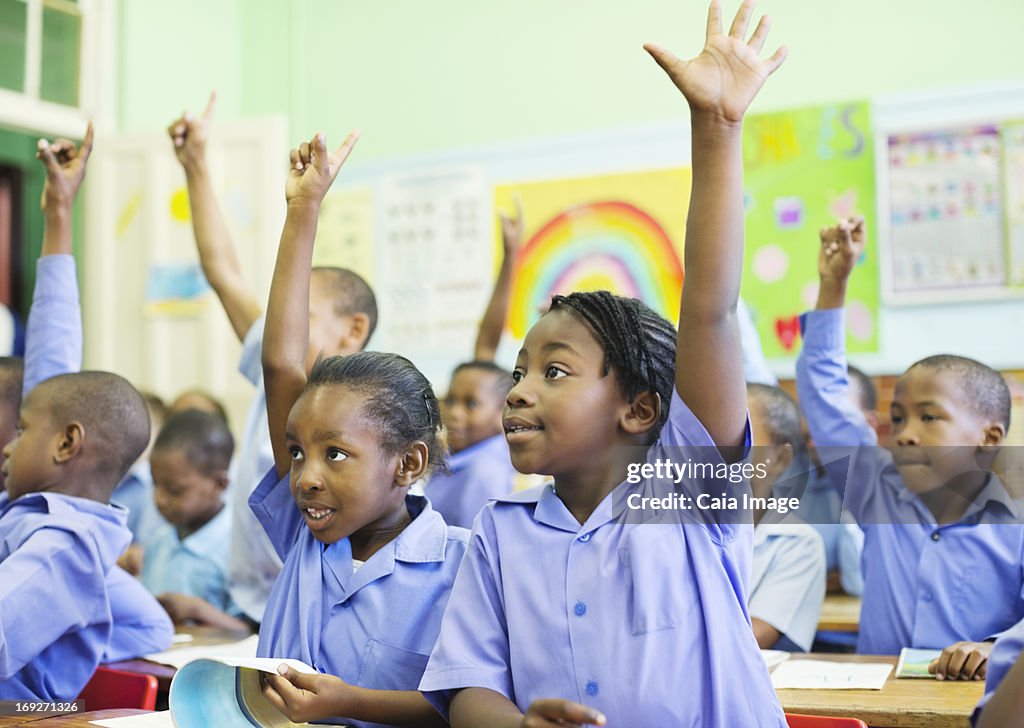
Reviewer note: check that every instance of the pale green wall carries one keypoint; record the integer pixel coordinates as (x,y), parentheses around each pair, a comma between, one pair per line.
(421,75)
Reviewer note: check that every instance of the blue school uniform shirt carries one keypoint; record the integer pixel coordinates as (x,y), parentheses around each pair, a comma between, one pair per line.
(645,622)
(196,565)
(373,627)
(1006,651)
(925,585)
(54,346)
(253,563)
(55,615)
(787,581)
(476,474)
(135,494)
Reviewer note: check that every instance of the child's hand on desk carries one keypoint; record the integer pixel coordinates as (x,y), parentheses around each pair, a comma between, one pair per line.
(302,697)
(189,134)
(181,608)
(313,170)
(552,713)
(728,73)
(962,661)
(65,170)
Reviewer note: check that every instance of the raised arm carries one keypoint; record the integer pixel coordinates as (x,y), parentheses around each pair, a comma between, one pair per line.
(286,336)
(489,335)
(53,338)
(719,86)
(822,379)
(217,253)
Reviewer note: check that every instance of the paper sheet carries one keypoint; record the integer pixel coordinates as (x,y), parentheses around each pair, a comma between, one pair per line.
(827,675)
(772,658)
(914,663)
(145,720)
(183,655)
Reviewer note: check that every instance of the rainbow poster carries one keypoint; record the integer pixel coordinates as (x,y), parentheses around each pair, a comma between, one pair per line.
(620,232)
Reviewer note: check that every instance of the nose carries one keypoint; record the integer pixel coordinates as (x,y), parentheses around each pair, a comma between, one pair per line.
(521,395)
(907,436)
(307,480)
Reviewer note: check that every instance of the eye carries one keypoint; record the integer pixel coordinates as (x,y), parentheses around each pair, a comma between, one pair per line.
(929,418)
(471,404)
(517,375)
(335,455)
(553,372)
(296,453)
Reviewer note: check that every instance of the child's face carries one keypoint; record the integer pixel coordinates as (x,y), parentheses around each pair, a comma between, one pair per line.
(472,410)
(185,495)
(562,416)
(935,430)
(340,478)
(28,459)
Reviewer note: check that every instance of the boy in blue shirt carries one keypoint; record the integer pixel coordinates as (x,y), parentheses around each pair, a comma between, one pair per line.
(54,346)
(185,560)
(943,540)
(1003,702)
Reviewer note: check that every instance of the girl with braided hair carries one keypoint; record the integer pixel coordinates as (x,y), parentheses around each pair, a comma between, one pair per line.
(570,607)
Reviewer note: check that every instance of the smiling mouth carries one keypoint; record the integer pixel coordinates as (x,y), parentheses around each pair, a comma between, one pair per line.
(317,518)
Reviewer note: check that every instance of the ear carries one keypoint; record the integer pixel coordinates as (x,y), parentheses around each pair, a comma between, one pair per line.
(642,414)
(355,329)
(872,419)
(70,442)
(220,478)
(993,435)
(412,465)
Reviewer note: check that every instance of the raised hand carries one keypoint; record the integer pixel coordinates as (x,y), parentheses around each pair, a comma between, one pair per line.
(313,169)
(724,79)
(189,133)
(512,230)
(841,247)
(65,169)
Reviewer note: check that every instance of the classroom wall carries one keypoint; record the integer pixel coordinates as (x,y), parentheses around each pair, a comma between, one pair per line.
(557,83)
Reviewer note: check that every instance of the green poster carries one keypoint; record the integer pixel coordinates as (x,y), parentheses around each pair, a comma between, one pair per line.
(804,169)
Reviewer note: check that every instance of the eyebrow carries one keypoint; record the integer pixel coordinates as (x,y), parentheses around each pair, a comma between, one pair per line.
(558,345)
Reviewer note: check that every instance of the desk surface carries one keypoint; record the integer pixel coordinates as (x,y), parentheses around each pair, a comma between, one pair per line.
(906,703)
(840,613)
(71,720)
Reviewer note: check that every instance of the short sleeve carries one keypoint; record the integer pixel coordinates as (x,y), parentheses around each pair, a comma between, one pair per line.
(274,508)
(250,364)
(789,593)
(472,648)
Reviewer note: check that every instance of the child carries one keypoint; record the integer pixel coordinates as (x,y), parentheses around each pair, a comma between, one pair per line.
(199,399)
(186,559)
(787,583)
(563,598)
(12,378)
(936,570)
(134,623)
(1003,703)
(59,538)
(373,565)
(342,313)
(480,467)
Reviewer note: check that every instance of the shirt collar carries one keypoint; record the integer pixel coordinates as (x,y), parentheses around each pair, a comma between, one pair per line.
(993,499)
(425,538)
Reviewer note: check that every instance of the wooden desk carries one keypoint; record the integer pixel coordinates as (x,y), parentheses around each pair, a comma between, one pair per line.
(899,704)
(840,613)
(77,720)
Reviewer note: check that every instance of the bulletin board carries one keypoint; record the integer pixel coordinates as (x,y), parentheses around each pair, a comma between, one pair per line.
(804,169)
(617,232)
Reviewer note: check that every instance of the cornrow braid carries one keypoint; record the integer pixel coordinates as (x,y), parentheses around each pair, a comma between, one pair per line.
(639,345)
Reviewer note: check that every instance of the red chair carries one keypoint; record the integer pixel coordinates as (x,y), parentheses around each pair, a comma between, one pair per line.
(818,721)
(108,689)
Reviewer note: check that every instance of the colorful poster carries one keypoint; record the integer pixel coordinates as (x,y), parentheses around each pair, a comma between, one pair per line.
(805,169)
(620,232)
(1013,158)
(344,233)
(945,210)
(176,290)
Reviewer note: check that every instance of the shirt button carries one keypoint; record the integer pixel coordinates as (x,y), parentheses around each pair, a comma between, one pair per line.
(927,596)
(936,535)
(591,688)
(585,537)
(581,609)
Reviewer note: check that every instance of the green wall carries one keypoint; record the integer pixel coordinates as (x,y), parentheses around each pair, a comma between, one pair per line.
(421,76)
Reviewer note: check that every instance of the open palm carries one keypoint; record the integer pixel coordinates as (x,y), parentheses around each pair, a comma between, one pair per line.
(728,73)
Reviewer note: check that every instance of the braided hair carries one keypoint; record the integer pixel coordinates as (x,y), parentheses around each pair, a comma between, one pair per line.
(639,345)
(399,399)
